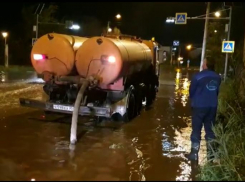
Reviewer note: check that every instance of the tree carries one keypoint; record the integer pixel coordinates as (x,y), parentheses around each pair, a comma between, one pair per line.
(214,45)
(216,35)
(90,26)
(48,22)
(116,31)
(21,42)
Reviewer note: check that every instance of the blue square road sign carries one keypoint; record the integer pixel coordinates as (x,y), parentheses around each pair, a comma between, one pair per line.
(175,43)
(180,18)
(228,46)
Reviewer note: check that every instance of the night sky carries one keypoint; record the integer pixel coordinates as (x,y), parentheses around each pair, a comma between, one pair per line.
(144,19)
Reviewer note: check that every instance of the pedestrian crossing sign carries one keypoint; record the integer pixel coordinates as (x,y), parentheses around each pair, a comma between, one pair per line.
(180,18)
(228,46)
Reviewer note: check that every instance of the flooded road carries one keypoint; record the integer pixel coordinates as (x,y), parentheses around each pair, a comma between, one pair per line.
(151,147)
(19,77)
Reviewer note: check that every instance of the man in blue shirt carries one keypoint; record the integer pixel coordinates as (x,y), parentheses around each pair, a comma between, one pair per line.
(204,90)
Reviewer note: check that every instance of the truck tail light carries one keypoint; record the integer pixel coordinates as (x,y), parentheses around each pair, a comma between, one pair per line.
(39,57)
(111,59)
(108,59)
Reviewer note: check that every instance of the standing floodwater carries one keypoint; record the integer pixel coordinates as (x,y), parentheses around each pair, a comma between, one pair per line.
(151,147)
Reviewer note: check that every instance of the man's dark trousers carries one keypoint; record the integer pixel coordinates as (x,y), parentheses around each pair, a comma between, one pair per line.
(203,116)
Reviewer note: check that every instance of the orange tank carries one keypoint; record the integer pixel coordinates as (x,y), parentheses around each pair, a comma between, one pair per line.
(55,53)
(112,58)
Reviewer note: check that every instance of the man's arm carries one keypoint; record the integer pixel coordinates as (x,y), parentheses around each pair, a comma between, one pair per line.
(193,86)
(219,83)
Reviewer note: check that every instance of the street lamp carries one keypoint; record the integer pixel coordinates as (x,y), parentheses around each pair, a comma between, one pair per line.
(118,16)
(170,20)
(207,18)
(217,14)
(189,47)
(109,30)
(75,27)
(5,35)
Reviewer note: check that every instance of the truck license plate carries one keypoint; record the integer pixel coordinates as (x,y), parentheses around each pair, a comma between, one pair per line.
(63,108)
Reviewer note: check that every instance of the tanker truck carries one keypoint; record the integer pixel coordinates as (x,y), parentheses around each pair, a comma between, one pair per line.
(114,75)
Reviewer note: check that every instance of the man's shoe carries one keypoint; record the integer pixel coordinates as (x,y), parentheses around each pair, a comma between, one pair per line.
(193,155)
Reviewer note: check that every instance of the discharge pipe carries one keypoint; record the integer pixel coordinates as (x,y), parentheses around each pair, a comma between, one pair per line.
(89,81)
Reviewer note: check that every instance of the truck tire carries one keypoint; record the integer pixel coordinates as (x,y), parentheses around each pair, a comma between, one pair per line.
(131,106)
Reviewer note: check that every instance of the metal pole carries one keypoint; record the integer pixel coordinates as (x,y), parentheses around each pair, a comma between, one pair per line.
(228,38)
(179,56)
(5,53)
(6,61)
(205,36)
(6,56)
(171,61)
(108,26)
(179,50)
(37,27)
(244,49)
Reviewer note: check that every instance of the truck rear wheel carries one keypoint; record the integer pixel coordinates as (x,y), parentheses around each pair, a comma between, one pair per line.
(139,98)
(151,94)
(131,106)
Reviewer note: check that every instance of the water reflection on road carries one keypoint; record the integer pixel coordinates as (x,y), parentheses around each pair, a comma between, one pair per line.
(151,147)
(19,77)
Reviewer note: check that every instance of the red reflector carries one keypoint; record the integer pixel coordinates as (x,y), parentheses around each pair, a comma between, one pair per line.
(39,57)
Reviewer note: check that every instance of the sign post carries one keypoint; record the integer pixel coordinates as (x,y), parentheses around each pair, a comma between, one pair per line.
(188,63)
(227,47)
(230,44)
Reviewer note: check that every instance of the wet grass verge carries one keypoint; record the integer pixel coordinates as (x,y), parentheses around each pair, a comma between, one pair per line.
(229,163)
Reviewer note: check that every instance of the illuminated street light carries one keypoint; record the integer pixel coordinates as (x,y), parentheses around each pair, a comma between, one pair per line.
(109,30)
(75,27)
(170,20)
(118,16)
(5,34)
(215,31)
(217,14)
(180,58)
(189,47)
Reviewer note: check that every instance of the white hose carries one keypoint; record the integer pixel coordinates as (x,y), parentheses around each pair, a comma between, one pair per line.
(73,136)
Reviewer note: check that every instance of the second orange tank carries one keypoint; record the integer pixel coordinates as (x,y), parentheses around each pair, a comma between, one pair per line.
(112,58)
